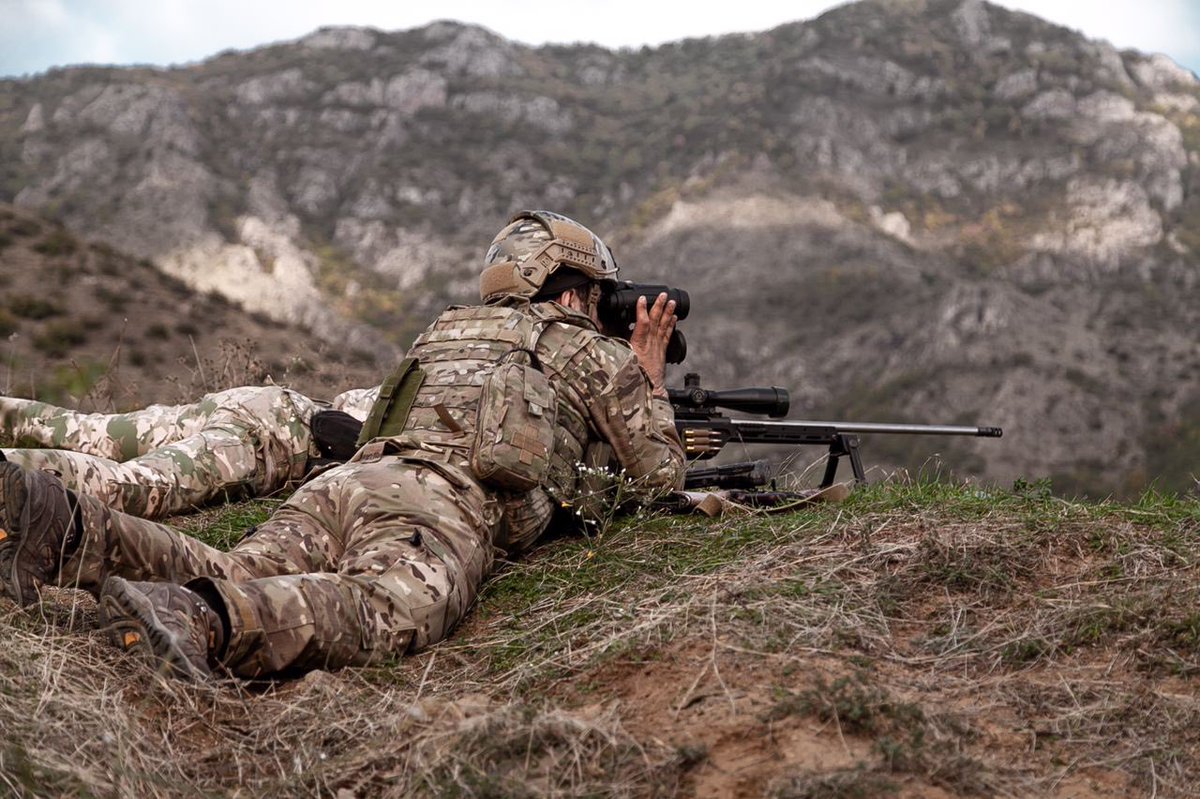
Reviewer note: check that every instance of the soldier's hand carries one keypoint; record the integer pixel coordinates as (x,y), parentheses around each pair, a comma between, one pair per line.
(651,332)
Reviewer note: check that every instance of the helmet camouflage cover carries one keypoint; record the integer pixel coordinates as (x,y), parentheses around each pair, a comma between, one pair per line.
(533,246)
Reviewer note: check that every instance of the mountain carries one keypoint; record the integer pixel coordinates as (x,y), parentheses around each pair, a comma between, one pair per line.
(903,210)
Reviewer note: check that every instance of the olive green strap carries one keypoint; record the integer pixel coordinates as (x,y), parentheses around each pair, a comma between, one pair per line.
(396,397)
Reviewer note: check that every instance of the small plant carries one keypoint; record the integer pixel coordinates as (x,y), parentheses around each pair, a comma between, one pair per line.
(24,228)
(602,494)
(8,323)
(60,337)
(1036,490)
(30,307)
(58,242)
(855,783)
(852,702)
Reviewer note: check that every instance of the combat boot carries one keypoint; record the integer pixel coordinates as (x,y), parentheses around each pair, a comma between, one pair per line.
(38,529)
(166,622)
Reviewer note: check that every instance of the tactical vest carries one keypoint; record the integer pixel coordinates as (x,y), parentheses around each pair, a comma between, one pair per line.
(471,383)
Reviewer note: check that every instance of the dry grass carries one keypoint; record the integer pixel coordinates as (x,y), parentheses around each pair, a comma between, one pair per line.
(919,640)
(81,719)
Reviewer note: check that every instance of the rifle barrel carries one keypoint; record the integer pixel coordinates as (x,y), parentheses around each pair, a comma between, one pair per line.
(877,427)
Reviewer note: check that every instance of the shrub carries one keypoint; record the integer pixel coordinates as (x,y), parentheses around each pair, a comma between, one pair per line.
(59,338)
(113,300)
(33,307)
(8,323)
(59,242)
(24,228)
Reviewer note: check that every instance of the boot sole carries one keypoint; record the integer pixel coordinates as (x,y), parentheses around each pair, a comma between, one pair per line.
(133,625)
(17,583)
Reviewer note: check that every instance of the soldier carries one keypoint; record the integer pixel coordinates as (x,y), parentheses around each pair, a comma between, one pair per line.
(384,554)
(165,459)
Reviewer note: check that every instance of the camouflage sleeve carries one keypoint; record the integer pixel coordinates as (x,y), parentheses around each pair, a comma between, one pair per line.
(639,427)
(357,402)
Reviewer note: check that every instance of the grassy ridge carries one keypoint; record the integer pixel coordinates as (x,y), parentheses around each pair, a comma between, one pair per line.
(920,639)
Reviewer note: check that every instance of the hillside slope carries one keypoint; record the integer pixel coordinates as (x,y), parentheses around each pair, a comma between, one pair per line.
(87,326)
(923,210)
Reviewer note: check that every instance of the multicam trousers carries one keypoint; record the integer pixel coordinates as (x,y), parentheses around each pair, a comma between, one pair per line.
(365,561)
(168,458)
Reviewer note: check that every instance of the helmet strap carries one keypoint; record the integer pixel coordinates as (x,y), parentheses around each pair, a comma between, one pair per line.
(592,303)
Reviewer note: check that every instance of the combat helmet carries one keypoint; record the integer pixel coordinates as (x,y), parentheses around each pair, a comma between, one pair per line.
(531,250)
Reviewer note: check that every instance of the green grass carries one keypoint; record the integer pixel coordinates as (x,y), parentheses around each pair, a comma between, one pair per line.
(224,526)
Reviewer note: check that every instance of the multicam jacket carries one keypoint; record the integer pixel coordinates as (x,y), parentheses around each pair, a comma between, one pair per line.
(604,398)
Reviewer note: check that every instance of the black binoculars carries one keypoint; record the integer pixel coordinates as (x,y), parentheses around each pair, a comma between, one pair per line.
(618,312)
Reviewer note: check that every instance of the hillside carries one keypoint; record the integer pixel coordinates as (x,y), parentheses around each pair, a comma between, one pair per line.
(903,210)
(919,640)
(87,326)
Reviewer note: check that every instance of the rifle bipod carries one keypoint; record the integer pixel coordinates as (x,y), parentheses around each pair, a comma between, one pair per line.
(843,445)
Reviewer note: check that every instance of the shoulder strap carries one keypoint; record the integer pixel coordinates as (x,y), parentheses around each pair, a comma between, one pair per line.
(529,345)
(396,397)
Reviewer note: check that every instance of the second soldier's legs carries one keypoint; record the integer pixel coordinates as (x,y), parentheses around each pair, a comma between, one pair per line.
(115,436)
(211,464)
(244,441)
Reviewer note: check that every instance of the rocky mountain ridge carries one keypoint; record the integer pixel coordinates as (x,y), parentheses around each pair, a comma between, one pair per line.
(929,210)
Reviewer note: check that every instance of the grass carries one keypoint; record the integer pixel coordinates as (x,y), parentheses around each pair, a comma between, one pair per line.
(929,636)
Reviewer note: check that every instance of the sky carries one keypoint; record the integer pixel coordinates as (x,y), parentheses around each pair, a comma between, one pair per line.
(38,34)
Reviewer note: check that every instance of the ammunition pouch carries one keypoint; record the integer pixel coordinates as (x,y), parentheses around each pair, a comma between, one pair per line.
(514,429)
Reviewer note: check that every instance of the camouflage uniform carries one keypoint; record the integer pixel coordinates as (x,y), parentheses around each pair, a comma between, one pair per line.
(385,554)
(168,458)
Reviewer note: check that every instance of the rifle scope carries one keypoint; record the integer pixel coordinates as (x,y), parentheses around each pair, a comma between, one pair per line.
(618,312)
(773,401)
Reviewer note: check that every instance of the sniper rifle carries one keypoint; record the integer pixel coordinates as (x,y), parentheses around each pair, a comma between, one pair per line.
(705,430)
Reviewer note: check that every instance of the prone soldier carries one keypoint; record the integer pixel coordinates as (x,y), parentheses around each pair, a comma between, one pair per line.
(386,553)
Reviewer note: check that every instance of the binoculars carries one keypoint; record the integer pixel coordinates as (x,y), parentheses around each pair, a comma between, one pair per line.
(618,312)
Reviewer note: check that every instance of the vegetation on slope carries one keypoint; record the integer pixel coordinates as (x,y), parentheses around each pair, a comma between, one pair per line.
(87,326)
